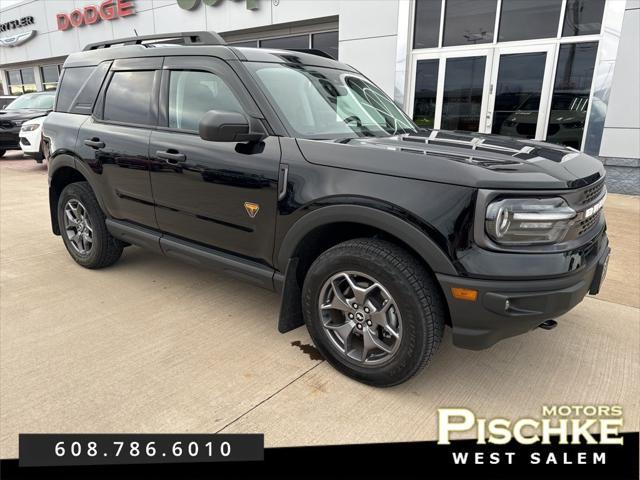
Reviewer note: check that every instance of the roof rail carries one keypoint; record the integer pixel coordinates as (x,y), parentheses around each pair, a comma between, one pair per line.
(187,38)
(311,51)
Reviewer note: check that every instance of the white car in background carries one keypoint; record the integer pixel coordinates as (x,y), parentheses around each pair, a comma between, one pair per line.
(31,139)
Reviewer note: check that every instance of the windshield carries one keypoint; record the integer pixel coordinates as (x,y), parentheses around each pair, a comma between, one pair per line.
(37,101)
(326,103)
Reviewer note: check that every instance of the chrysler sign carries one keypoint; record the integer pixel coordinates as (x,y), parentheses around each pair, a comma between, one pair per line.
(13,39)
(91,14)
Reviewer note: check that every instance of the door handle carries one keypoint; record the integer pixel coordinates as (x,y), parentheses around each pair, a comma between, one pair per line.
(171,157)
(94,143)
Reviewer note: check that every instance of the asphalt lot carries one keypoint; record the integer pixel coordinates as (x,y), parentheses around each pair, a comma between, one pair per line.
(154,345)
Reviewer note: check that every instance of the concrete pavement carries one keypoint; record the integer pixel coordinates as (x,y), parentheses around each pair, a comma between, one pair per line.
(153,345)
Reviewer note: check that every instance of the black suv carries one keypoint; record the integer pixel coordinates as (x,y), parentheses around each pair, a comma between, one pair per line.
(23,108)
(295,172)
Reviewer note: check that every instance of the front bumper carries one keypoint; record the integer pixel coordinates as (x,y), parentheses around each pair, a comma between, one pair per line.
(30,144)
(9,139)
(505,308)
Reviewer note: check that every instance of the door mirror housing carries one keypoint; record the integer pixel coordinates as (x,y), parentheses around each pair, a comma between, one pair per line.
(223,126)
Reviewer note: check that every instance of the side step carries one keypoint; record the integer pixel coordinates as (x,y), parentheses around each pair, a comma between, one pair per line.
(238,267)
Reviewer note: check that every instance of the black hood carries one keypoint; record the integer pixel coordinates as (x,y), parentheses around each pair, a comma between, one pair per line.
(460,158)
(22,114)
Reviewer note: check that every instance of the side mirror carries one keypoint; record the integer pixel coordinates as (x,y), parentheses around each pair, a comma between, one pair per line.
(222,126)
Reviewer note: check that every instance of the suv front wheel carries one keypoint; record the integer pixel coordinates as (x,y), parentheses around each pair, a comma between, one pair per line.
(83,229)
(373,310)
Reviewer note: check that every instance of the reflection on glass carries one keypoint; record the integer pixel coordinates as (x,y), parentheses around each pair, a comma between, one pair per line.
(527,19)
(520,76)
(192,94)
(297,42)
(469,23)
(571,93)
(327,42)
(582,17)
(130,105)
(424,104)
(462,100)
(427,23)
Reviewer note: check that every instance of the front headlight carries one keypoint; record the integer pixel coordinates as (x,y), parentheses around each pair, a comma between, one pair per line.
(528,221)
(30,128)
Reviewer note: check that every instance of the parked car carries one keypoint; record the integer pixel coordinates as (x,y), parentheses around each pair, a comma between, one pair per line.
(23,108)
(31,139)
(6,100)
(297,173)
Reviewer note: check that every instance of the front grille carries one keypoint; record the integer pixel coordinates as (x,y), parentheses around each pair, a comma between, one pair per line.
(583,226)
(590,194)
(6,124)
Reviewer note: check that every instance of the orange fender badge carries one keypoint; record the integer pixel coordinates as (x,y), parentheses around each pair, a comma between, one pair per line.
(251,208)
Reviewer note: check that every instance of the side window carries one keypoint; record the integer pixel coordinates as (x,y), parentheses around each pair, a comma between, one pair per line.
(192,94)
(128,97)
(72,81)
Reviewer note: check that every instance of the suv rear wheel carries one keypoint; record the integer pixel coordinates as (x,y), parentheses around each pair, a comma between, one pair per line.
(83,228)
(373,311)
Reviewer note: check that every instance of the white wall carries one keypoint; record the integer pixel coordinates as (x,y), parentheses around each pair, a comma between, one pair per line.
(367,28)
(621,136)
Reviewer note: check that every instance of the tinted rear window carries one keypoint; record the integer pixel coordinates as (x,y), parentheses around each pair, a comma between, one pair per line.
(128,97)
(72,81)
(79,88)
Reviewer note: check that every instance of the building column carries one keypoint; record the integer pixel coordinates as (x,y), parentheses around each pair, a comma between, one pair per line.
(37,74)
(5,82)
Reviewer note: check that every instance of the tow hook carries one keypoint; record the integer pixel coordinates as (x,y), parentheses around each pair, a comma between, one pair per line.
(548,325)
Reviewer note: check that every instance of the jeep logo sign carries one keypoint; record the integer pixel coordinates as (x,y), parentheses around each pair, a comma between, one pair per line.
(107,10)
(192,4)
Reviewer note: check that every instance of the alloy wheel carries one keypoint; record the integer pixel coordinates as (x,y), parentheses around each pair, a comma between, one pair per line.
(360,317)
(78,227)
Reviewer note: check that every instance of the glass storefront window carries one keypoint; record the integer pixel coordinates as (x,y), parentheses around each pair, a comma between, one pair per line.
(529,19)
(299,41)
(426,32)
(424,103)
(469,23)
(22,81)
(327,42)
(571,93)
(518,91)
(462,99)
(583,17)
(249,43)
(50,75)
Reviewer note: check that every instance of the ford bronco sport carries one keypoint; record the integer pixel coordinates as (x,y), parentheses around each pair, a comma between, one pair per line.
(295,172)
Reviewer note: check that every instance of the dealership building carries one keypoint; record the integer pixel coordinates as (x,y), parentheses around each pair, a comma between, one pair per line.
(564,71)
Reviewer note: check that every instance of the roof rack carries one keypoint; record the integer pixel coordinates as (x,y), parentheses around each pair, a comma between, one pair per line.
(184,38)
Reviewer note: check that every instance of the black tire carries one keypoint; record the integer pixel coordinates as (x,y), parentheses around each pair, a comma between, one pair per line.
(416,294)
(105,250)
(2,152)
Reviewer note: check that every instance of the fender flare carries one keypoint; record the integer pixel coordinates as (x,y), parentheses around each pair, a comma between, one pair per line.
(68,159)
(419,241)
